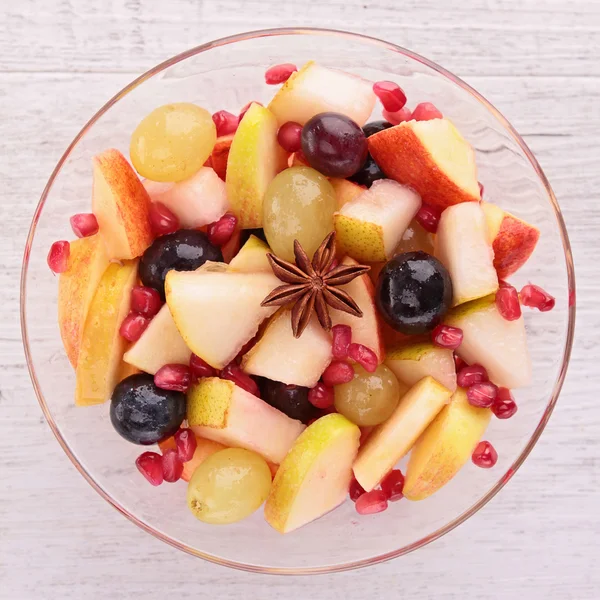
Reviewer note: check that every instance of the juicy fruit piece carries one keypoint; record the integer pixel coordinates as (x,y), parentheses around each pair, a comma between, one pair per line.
(315,475)
(228,486)
(252,258)
(289,136)
(535,297)
(428,218)
(444,336)
(221,231)
(470,375)
(345,190)
(76,288)
(355,491)
(370,398)
(143,413)
(426,111)
(395,118)
(289,399)
(232,372)
(321,396)
(121,205)
(172,142)
(145,301)
(221,411)
(371,503)
(280,356)
(334,144)
(507,302)
(337,373)
(364,356)
(413,361)
(162,219)
(200,368)
(220,155)
(368,173)
(482,394)
(225,122)
(204,449)
(218,312)
(279,73)
(414,292)
(149,464)
(390,94)
(342,337)
(186,444)
(255,157)
(58,256)
(485,455)
(184,250)
(172,466)
(133,326)
(84,224)
(391,440)
(431,157)
(315,89)
(498,345)
(504,406)
(462,247)
(392,485)
(173,377)
(445,446)
(299,205)
(370,227)
(101,348)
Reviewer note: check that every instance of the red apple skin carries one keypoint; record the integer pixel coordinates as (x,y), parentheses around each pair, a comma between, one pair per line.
(220,154)
(513,245)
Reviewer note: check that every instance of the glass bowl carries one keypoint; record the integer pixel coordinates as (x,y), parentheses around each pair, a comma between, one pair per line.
(226,74)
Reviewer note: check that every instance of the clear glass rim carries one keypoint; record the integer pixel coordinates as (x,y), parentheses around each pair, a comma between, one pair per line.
(557,386)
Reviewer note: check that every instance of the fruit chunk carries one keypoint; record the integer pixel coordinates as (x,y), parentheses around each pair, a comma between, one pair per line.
(76,288)
(220,155)
(430,156)
(445,446)
(102,347)
(279,356)
(315,475)
(391,440)
(218,312)
(255,157)
(221,411)
(345,190)
(204,448)
(414,361)
(489,340)
(315,89)
(252,258)
(121,205)
(461,245)
(370,227)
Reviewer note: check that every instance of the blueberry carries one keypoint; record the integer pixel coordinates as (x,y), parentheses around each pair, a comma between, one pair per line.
(414,291)
(289,399)
(184,250)
(143,413)
(370,171)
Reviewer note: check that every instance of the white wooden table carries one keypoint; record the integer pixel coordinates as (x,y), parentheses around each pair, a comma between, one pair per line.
(537,60)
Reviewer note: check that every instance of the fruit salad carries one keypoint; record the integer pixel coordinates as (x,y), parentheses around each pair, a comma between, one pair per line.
(280,304)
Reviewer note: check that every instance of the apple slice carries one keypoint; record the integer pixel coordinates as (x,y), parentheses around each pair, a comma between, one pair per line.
(391,440)
(255,157)
(221,411)
(315,475)
(204,448)
(489,340)
(370,227)
(315,89)
(252,258)
(445,446)
(197,201)
(279,356)
(76,288)
(462,246)
(220,155)
(345,190)
(413,361)
(513,240)
(218,312)
(431,157)
(121,205)
(102,346)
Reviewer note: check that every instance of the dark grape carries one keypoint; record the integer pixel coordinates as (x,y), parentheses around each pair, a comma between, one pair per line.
(375,127)
(370,170)
(289,399)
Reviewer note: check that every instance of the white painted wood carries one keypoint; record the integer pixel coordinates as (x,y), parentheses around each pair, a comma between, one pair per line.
(537,60)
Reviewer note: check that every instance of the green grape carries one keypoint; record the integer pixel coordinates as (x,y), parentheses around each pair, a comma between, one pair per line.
(370,398)
(228,486)
(173,142)
(298,205)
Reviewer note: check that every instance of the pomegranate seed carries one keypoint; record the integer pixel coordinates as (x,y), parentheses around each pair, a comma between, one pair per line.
(469,376)
(220,232)
(321,396)
(445,336)
(395,118)
(233,373)
(245,109)
(355,491)
(371,502)
(504,406)
(535,297)
(459,363)
(428,218)
(484,455)
(337,373)
(225,122)
(342,337)
(133,326)
(172,466)
(58,257)
(149,464)
(288,136)
(162,219)
(392,485)
(201,368)
(279,73)
(481,188)
(426,112)
(173,377)
(186,444)
(482,394)
(507,302)
(84,224)
(364,356)
(145,301)
(390,94)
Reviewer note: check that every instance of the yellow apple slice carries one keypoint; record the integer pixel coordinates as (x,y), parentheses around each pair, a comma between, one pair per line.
(252,257)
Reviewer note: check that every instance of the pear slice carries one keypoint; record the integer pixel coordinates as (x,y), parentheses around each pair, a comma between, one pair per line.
(391,440)
(252,257)
(445,446)
(315,475)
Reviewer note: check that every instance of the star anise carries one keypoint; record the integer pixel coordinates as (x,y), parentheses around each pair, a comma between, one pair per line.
(312,286)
